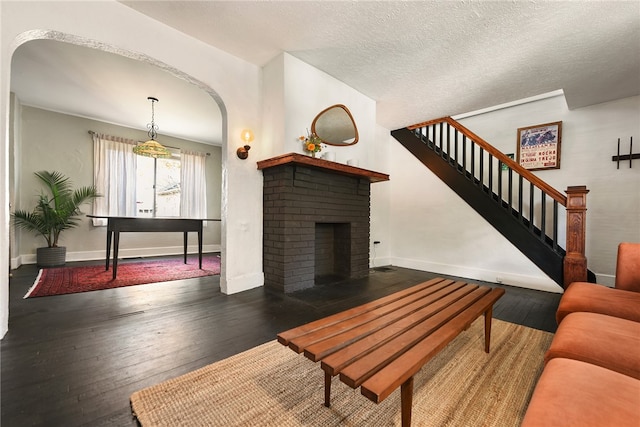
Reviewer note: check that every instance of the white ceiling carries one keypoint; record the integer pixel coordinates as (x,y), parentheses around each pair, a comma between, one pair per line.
(111,88)
(419,60)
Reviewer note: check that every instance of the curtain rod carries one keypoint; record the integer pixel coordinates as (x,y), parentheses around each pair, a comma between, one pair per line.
(91,132)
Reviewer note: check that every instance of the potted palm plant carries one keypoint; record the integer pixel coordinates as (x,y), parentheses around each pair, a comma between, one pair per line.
(57,210)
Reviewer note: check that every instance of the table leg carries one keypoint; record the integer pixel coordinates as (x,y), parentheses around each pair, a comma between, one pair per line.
(406,401)
(116,243)
(185,246)
(200,245)
(327,389)
(109,233)
(488,315)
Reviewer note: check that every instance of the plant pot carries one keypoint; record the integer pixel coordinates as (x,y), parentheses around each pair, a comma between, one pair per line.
(51,257)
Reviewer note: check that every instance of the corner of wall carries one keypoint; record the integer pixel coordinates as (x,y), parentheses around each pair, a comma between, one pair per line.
(238,284)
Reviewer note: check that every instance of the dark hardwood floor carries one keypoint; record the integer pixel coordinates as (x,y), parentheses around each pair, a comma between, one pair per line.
(74,360)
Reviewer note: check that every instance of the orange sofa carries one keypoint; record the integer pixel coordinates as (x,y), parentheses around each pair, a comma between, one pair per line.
(622,301)
(592,368)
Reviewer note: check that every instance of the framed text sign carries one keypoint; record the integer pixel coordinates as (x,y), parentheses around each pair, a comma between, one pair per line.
(539,146)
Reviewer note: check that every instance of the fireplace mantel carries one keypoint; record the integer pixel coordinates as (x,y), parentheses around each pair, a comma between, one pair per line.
(339,168)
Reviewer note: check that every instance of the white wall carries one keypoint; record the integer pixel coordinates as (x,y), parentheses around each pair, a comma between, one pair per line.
(55,141)
(432,229)
(294,93)
(15,133)
(232,82)
(305,92)
(381,207)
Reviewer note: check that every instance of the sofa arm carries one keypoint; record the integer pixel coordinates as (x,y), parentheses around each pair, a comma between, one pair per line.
(628,267)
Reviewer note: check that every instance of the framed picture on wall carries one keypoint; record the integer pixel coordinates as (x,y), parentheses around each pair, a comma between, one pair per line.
(539,146)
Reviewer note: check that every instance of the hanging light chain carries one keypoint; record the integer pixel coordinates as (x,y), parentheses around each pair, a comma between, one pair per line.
(152,148)
(153,128)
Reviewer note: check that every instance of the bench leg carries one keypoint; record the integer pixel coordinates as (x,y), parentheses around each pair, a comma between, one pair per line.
(406,401)
(327,389)
(488,315)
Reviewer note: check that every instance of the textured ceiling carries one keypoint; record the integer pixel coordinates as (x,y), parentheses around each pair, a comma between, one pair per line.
(426,59)
(419,60)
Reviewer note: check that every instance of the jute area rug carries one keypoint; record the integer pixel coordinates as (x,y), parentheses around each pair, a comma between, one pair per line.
(270,385)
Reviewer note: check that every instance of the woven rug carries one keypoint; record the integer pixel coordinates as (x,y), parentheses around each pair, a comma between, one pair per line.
(270,385)
(70,280)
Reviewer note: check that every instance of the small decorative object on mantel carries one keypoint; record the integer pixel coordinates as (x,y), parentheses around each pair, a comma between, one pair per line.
(629,156)
(311,143)
(330,156)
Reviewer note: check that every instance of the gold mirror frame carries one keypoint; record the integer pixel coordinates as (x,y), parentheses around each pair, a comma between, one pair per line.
(335,126)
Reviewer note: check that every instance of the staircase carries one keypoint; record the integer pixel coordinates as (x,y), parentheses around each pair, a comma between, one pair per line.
(522,207)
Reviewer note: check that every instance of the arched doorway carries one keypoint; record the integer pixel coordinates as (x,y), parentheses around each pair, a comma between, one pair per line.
(152,71)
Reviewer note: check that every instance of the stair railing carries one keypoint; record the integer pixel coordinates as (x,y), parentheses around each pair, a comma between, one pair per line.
(529,199)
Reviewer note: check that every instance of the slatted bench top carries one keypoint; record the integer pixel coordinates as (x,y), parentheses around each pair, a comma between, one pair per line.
(382,344)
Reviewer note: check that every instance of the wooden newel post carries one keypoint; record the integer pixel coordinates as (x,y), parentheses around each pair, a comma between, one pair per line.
(575,262)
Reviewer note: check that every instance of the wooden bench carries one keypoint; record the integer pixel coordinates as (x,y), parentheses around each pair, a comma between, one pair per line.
(381,345)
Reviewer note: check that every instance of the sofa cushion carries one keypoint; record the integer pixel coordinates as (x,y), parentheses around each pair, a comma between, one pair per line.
(574,393)
(606,341)
(594,298)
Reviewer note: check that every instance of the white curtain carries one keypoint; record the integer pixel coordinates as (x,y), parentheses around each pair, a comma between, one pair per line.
(193,185)
(114,176)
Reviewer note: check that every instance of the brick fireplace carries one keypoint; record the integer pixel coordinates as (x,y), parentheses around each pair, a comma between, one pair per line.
(316,221)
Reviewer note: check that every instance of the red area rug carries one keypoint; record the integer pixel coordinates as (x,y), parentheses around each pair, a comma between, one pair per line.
(70,280)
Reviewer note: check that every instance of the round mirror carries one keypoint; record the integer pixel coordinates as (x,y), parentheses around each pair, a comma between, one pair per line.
(335,126)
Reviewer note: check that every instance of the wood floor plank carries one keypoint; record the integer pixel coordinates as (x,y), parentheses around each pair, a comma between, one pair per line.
(74,360)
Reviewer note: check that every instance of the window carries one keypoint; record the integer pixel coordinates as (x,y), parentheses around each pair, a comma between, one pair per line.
(133,185)
(157,187)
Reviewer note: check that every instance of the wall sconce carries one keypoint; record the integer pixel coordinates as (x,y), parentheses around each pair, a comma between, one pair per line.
(247,137)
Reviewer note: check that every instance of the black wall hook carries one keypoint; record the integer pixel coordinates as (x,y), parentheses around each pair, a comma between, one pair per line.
(629,156)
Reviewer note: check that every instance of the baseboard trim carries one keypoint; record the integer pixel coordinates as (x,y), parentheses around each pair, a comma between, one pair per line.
(379,262)
(521,281)
(606,279)
(122,254)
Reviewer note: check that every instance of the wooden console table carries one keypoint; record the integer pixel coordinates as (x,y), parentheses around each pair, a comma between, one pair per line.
(381,345)
(118,224)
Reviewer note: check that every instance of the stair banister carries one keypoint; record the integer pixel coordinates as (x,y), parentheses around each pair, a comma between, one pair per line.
(574,262)
(552,192)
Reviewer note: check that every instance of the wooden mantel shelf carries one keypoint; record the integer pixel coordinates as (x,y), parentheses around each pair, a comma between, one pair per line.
(301,159)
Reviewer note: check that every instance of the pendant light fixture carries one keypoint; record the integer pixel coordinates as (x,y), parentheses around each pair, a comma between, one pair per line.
(152,148)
